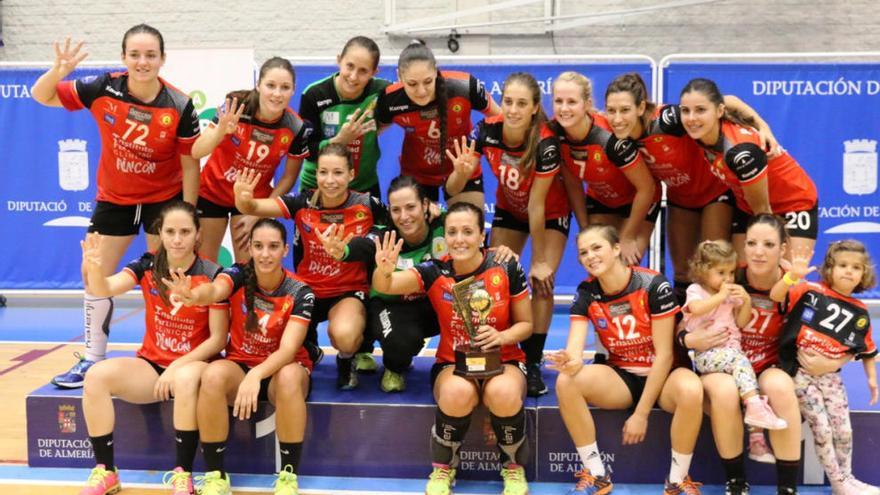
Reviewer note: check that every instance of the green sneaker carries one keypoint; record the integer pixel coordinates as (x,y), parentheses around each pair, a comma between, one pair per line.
(286,483)
(364,362)
(213,483)
(514,477)
(441,480)
(393,382)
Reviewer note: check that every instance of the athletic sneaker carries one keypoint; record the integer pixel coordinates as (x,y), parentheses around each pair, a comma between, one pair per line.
(786,491)
(865,488)
(686,487)
(852,486)
(213,483)
(736,486)
(392,382)
(101,482)
(286,484)
(364,362)
(514,477)
(75,376)
(588,484)
(346,376)
(316,354)
(759,451)
(534,382)
(180,481)
(759,414)
(441,480)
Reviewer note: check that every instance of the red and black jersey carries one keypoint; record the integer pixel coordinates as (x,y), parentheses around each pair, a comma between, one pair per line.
(678,161)
(819,318)
(760,337)
(141,143)
(505,283)
(257,145)
(292,299)
(599,160)
(326,276)
(422,156)
(622,321)
(514,183)
(171,330)
(738,160)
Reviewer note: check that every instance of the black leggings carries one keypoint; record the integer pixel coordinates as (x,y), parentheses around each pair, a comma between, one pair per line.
(401,328)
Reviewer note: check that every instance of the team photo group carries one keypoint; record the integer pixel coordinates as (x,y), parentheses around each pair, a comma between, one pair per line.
(738,337)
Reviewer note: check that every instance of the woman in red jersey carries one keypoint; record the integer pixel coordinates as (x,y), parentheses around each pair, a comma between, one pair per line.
(340,288)
(434,108)
(177,343)
(147,129)
(632,311)
(257,134)
(765,246)
(620,189)
(508,323)
(265,360)
(759,183)
(523,153)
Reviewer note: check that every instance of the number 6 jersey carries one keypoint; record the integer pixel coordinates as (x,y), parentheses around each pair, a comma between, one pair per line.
(825,321)
(622,321)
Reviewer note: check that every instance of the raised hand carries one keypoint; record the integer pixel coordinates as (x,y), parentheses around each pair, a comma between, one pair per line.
(800,263)
(91,249)
(245,182)
(67,57)
(228,116)
(179,286)
(334,240)
(387,251)
(355,127)
(464,161)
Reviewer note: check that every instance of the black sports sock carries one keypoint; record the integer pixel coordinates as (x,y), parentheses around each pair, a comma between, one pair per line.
(446,437)
(787,474)
(534,347)
(213,452)
(290,454)
(734,468)
(187,442)
(103,447)
(511,436)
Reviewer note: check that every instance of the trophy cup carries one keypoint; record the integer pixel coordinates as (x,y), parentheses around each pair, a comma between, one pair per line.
(471,361)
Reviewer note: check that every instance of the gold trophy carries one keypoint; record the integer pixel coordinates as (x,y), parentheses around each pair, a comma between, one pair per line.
(469,300)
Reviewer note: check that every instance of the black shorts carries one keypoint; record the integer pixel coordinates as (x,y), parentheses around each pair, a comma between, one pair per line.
(159,369)
(472,185)
(506,220)
(803,223)
(634,383)
(121,220)
(726,198)
(415,318)
(209,209)
(322,307)
(439,366)
(594,206)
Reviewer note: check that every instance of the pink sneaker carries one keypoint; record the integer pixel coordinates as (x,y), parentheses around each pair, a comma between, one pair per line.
(101,482)
(759,414)
(180,481)
(759,451)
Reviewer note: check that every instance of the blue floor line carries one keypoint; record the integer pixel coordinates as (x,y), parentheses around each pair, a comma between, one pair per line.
(255,481)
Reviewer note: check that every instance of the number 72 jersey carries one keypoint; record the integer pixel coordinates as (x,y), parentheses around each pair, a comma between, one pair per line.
(829,323)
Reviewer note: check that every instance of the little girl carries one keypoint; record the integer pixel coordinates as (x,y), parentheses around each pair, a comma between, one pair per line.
(825,319)
(716,299)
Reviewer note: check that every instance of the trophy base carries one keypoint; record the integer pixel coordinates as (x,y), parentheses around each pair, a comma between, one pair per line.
(476,363)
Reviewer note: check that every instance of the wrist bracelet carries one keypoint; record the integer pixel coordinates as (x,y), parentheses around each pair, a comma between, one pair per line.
(681,335)
(788,280)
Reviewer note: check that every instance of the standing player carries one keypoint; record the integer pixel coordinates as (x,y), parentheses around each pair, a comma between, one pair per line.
(177,343)
(620,189)
(457,396)
(531,201)
(434,108)
(340,288)
(760,184)
(340,107)
(265,360)
(632,310)
(258,135)
(147,129)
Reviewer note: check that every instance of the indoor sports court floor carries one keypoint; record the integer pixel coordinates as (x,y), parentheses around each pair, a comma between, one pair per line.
(38,337)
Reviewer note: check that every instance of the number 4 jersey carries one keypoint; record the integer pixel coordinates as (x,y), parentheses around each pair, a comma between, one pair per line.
(825,321)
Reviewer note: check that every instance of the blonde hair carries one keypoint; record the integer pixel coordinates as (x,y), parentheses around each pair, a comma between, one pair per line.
(869,275)
(581,80)
(708,255)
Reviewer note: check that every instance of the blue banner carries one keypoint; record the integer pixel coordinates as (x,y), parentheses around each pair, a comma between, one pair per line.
(48,207)
(826,116)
